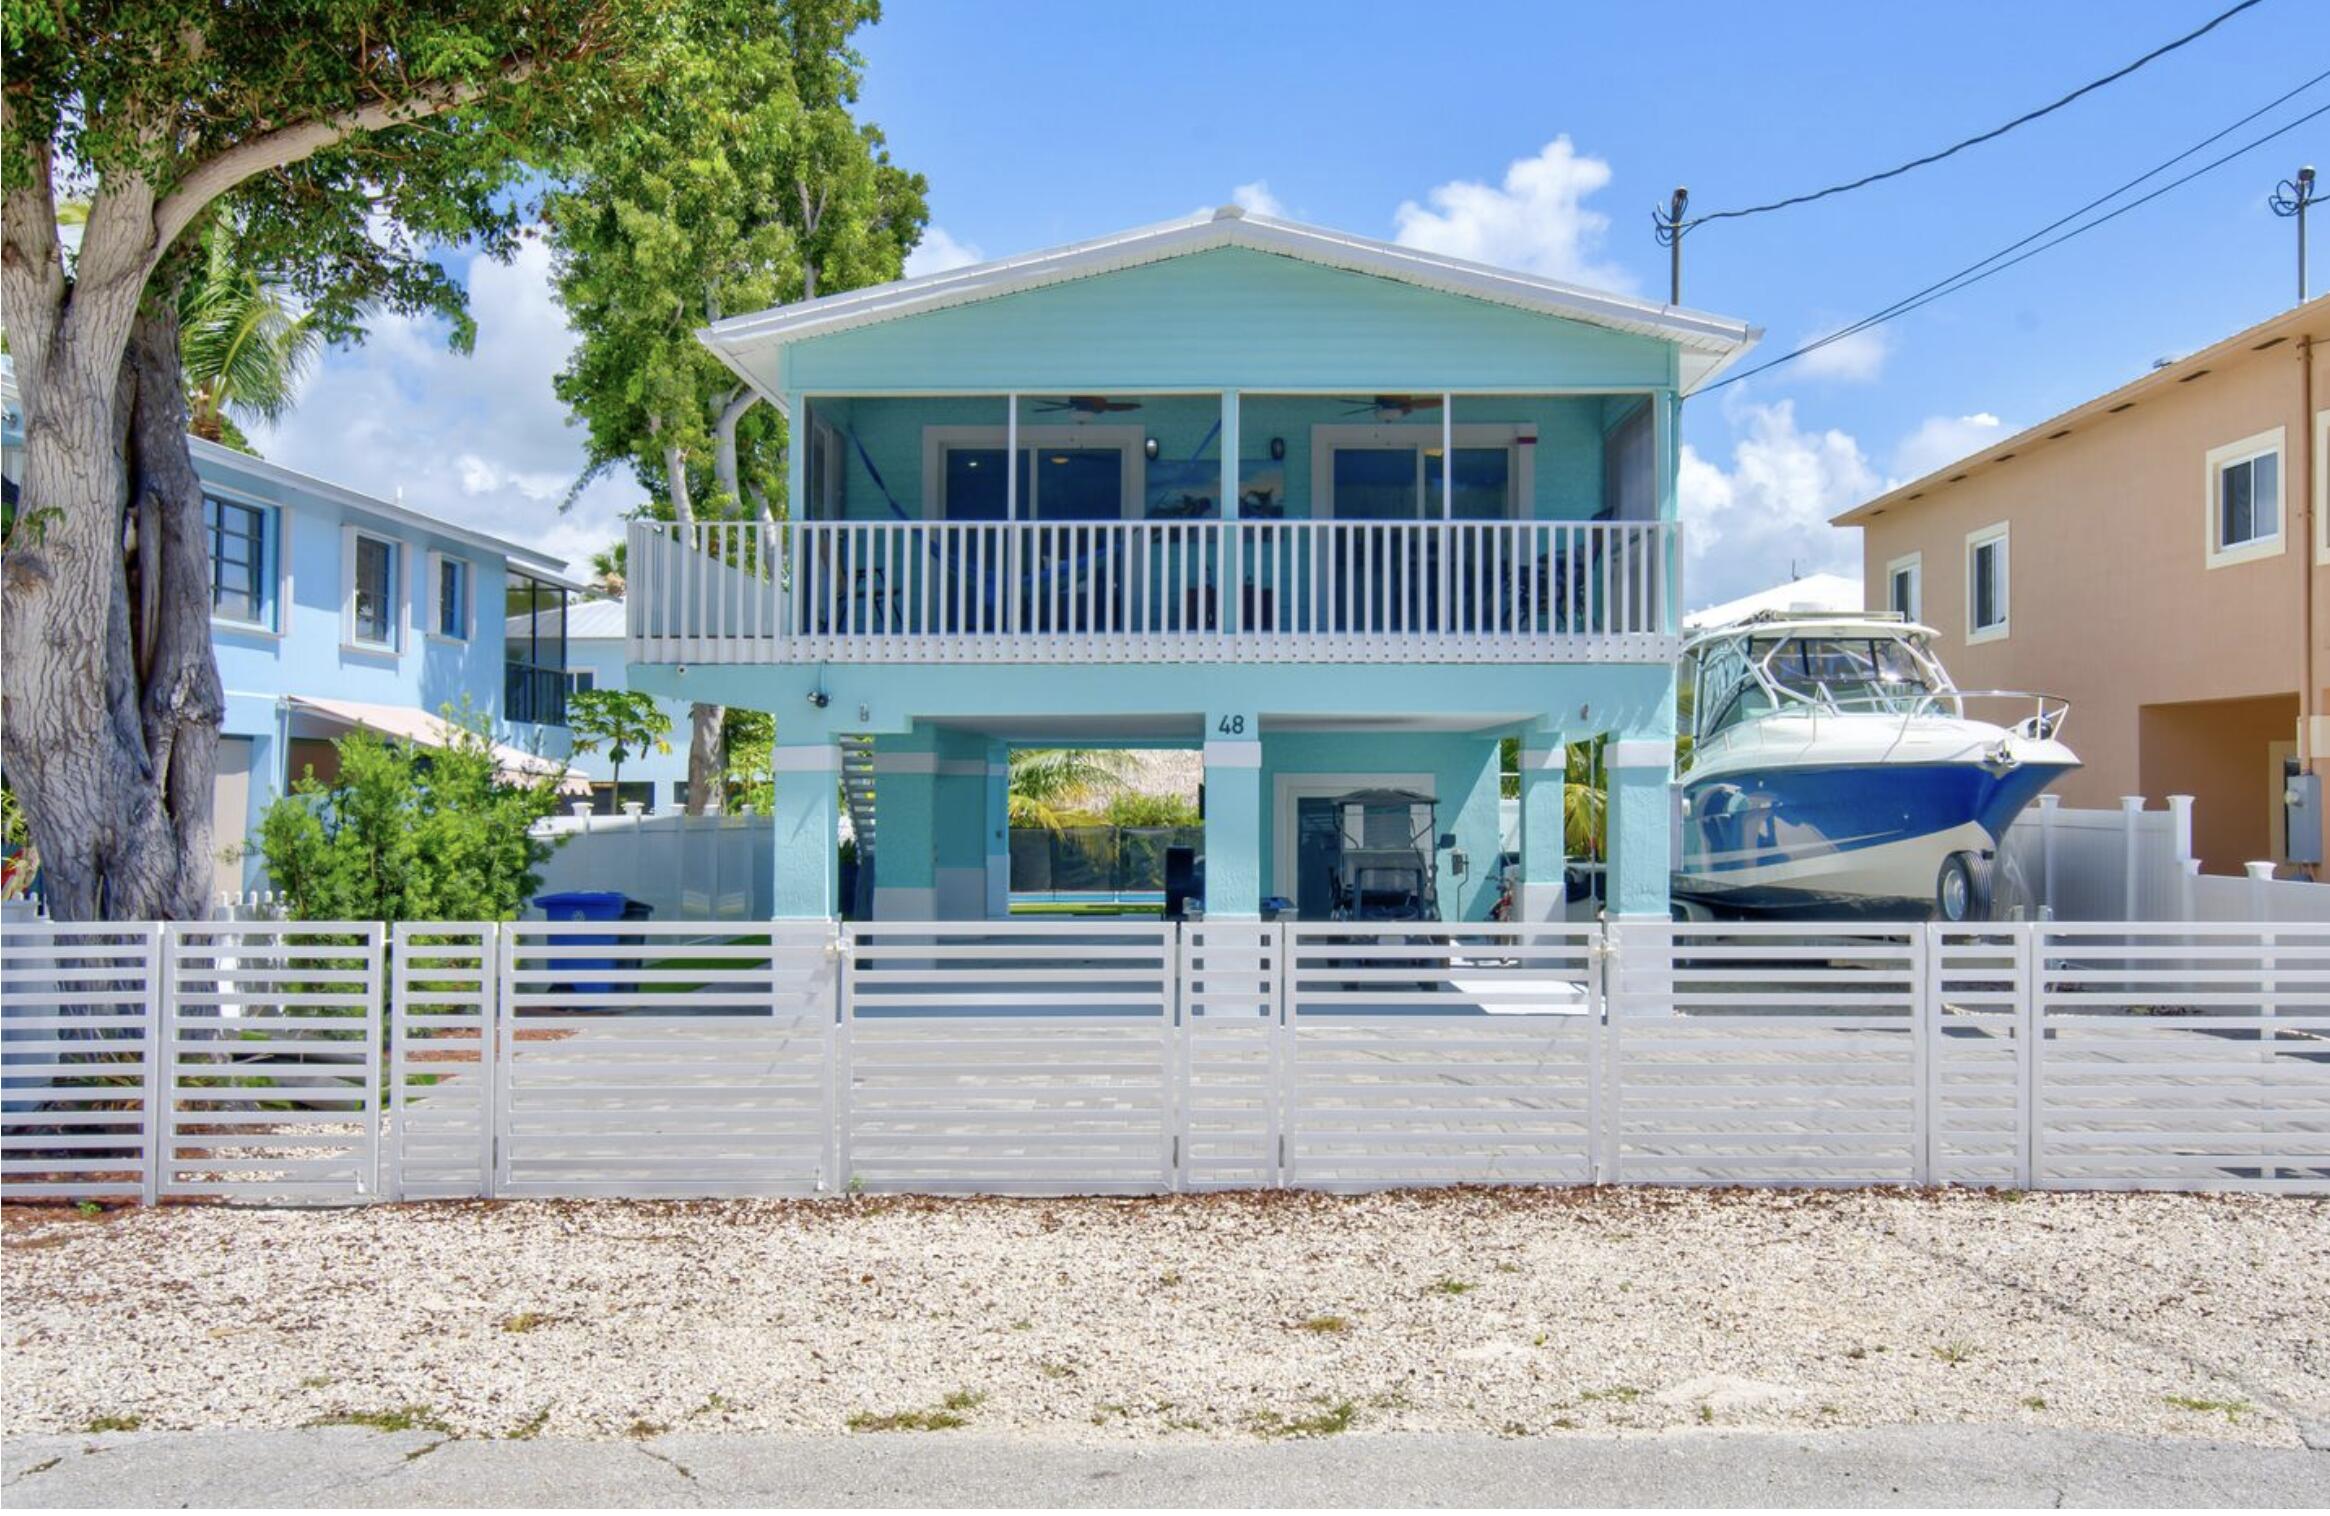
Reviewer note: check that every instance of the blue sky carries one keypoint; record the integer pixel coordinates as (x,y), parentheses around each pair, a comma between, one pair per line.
(1541,135)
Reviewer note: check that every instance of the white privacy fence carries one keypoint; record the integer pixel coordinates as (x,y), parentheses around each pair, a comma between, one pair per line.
(2133,864)
(303,1062)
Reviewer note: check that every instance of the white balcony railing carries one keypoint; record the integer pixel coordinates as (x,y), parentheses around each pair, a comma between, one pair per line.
(1141,591)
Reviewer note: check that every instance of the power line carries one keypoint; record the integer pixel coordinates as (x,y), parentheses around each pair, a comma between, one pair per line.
(1668,229)
(1974,273)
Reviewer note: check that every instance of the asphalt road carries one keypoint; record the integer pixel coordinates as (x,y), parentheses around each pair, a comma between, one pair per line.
(1895,1466)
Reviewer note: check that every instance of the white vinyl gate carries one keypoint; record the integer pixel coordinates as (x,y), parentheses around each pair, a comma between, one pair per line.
(334,1062)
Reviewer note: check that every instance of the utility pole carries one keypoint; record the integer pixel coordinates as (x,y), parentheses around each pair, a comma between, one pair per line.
(2290,198)
(1667,227)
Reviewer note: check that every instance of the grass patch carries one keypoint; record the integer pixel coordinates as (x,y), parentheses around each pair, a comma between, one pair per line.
(1051,1370)
(2231,1408)
(1326,1422)
(115,1424)
(1453,1287)
(1706,1415)
(526,1321)
(88,1208)
(2034,1402)
(641,1429)
(530,1428)
(410,1418)
(965,1400)
(1325,1325)
(1622,1394)
(1952,1353)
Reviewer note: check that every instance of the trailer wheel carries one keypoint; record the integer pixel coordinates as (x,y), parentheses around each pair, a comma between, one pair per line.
(1962,890)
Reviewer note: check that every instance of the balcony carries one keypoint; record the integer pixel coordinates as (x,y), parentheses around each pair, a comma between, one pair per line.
(1150,591)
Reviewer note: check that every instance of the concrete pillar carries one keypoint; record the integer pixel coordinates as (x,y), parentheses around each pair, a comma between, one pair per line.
(906,805)
(1233,818)
(1540,895)
(998,822)
(1640,826)
(808,823)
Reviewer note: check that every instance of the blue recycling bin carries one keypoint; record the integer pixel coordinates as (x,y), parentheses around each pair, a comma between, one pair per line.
(592,905)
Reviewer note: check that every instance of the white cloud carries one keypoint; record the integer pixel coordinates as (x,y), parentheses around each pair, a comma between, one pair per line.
(1256,197)
(1745,526)
(1943,439)
(937,252)
(1855,359)
(480,440)
(1536,220)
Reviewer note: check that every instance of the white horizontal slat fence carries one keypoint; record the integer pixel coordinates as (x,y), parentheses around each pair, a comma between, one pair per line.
(1420,1055)
(2186,1056)
(271,1048)
(442,993)
(79,1072)
(663,1058)
(1766,1053)
(333,1062)
(1008,1056)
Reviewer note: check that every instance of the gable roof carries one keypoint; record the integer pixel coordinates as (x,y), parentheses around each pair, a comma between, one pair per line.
(2275,330)
(1708,343)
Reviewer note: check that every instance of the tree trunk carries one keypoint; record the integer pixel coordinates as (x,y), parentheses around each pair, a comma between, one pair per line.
(109,721)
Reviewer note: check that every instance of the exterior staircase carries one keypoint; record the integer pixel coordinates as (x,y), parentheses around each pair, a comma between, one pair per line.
(857,784)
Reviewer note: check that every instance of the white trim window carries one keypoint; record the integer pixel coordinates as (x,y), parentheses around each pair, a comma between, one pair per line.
(452,599)
(1392,471)
(1066,473)
(1989,585)
(2245,508)
(1905,586)
(371,567)
(243,558)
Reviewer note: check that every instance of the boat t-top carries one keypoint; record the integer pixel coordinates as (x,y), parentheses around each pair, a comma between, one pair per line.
(1835,770)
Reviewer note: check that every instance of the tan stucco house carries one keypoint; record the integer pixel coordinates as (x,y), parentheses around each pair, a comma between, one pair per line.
(2157,556)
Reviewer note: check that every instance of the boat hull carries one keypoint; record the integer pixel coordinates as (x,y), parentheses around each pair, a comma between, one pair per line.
(1858,839)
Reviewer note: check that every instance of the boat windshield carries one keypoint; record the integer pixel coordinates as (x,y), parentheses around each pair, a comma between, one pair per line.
(1849,673)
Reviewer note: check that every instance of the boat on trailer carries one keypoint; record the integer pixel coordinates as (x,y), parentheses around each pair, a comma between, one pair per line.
(1836,771)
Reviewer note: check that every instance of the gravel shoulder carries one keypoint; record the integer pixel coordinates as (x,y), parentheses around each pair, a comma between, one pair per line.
(1254,1318)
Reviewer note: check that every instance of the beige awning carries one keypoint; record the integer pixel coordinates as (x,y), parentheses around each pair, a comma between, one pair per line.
(431,730)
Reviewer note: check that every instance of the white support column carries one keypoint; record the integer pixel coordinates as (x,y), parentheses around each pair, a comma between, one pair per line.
(1011,457)
(1230,595)
(1447,457)
(998,806)
(2131,845)
(1541,895)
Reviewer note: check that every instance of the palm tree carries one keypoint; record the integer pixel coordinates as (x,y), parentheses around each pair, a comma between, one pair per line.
(245,346)
(1050,784)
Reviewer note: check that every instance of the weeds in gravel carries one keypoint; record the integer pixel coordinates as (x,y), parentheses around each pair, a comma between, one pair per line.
(1169,1279)
(641,1429)
(2034,1402)
(114,1424)
(1623,1394)
(526,1321)
(530,1428)
(1952,1353)
(317,1382)
(2231,1408)
(1324,1324)
(410,1418)
(1706,1415)
(89,1208)
(1326,1422)
(1453,1287)
(952,1412)
(1051,1370)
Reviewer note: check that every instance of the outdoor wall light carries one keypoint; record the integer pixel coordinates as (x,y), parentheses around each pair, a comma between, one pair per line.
(817,699)
(1149,449)
(1278,449)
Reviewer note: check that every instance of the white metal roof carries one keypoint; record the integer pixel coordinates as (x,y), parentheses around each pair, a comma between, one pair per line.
(1813,592)
(1708,342)
(594,620)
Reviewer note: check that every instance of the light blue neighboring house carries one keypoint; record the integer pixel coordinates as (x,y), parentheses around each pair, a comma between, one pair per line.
(333,610)
(597,657)
(1336,514)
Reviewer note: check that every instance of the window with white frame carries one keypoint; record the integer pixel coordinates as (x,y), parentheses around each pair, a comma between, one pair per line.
(1064,473)
(241,564)
(2245,499)
(372,590)
(1396,471)
(449,598)
(1905,587)
(1987,585)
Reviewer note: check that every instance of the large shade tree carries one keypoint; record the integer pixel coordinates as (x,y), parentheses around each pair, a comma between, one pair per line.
(747,182)
(346,136)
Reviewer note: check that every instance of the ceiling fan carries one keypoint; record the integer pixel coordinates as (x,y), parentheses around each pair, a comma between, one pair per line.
(1396,405)
(1090,405)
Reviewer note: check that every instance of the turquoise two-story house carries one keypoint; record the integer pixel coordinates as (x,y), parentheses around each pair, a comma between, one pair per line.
(1338,514)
